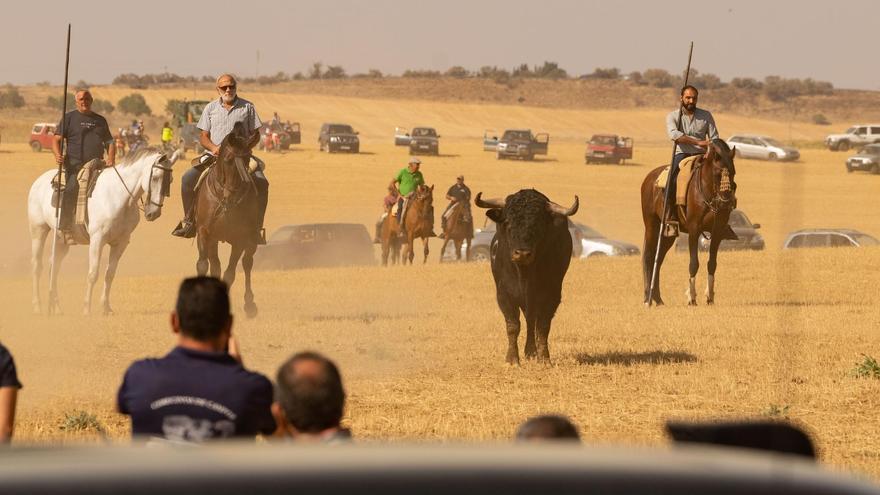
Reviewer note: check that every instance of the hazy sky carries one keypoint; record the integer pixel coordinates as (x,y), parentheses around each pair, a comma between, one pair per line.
(827,40)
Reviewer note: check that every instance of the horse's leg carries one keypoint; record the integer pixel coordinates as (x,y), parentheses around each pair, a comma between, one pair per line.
(38,242)
(214,258)
(457,243)
(711,265)
(443,247)
(648,253)
(693,245)
(386,250)
(232,266)
(247,263)
(665,244)
(467,253)
(96,247)
(116,251)
(425,243)
(61,249)
(202,262)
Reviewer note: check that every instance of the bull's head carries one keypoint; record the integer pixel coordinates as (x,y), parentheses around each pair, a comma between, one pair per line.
(523,221)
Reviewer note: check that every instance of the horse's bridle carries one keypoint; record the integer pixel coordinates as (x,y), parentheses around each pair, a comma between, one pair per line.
(165,188)
(717,203)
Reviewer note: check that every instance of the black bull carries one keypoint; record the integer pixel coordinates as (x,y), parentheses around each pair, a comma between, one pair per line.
(531,251)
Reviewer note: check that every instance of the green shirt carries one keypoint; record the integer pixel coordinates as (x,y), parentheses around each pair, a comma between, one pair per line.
(408,181)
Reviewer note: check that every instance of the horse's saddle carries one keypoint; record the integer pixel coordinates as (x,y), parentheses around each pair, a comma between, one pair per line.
(206,160)
(685,172)
(86,180)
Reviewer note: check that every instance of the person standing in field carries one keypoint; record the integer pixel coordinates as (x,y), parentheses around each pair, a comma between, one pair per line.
(199,391)
(167,136)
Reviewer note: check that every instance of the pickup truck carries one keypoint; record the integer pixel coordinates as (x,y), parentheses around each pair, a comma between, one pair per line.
(521,143)
(855,136)
(608,148)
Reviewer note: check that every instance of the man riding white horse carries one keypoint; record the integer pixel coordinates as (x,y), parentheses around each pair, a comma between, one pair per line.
(217,121)
(87,135)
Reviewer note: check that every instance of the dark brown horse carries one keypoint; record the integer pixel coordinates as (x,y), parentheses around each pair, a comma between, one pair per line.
(389,234)
(710,199)
(226,211)
(459,228)
(418,221)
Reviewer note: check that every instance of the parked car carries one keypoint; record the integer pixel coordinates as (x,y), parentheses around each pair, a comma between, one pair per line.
(490,140)
(338,137)
(585,243)
(316,245)
(401,136)
(749,238)
(595,244)
(828,238)
(521,143)
(867,159)
(42,135)
(857,135)
(424,140)
(608,148)
(762,148)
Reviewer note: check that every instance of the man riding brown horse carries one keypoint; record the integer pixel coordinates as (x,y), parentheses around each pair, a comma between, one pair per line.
(218,119)
(691,129)
(457,220)
(405,183)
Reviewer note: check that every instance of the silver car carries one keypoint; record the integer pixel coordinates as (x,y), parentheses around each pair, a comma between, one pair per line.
(762,148)
(808,238)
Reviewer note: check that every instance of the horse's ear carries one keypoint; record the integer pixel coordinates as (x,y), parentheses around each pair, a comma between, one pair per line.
(254,139)
(710,150)
(733,152)
(432,187)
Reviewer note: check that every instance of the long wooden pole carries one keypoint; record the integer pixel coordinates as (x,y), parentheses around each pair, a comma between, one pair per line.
(687,74)
(53,296)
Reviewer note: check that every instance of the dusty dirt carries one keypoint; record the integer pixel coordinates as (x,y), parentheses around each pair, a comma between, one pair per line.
(422,348)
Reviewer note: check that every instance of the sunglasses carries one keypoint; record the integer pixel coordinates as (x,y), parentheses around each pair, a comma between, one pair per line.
(224,88)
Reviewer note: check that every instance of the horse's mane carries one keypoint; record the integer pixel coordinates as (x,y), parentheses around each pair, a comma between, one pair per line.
(724,153)
(137,155)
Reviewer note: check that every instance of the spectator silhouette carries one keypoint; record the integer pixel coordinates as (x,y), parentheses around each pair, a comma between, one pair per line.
(548,427)
(310,400)
(200,390)
(9,386)
(775,436)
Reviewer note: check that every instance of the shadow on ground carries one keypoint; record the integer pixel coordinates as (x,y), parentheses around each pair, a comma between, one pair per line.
(633,358)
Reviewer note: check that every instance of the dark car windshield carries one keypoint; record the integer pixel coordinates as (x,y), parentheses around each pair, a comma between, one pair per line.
(604,140)
(871,150)
(424,132)
(341,129)
(518,135)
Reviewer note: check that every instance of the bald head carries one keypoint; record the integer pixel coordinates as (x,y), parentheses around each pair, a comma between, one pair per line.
(310,392)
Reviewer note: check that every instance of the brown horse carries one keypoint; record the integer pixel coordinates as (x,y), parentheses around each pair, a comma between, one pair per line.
(389,234)
(419,221)
(226,210)
(459,228)
(710,199)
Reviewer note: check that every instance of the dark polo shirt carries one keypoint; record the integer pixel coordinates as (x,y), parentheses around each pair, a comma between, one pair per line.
(87,134)
(8,376)
(195,396)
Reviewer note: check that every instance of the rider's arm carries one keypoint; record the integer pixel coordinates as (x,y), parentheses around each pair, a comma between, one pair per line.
(205,141)
(676,135)
(56,148)
(111,154)
(713,130)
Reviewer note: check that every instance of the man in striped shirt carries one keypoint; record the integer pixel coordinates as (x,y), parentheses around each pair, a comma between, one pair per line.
(217,121)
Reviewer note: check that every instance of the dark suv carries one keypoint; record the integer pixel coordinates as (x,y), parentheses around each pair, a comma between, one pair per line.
(749,238)
(424,140)
(338,137)
(521,143)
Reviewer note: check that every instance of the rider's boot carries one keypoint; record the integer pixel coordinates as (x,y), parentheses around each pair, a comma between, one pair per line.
(186,228)
(671,227)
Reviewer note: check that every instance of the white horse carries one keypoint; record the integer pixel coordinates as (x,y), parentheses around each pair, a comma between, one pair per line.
(113,215)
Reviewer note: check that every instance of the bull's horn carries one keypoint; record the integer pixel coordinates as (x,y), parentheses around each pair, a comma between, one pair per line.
(488,203)
(555,208)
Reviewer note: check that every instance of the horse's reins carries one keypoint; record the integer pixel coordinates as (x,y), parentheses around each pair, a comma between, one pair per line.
(716,204)
(142,206)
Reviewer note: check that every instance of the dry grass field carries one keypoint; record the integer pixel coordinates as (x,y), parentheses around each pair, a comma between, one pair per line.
(422,348)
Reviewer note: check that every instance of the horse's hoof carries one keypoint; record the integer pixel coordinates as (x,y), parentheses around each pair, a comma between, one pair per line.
(710,302)
(692,303)
(108,311)
(250,310)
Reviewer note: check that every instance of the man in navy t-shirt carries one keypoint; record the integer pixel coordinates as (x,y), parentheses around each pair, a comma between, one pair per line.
(199,391)
(9,386)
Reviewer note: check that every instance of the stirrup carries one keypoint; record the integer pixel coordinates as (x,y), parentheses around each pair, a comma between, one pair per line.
(185,229)
(671,229)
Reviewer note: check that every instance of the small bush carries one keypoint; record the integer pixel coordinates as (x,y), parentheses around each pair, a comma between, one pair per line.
(11,98)
(746,83)
(635,77)
(102,106)
(424,74)
(820,119)
(612,73)
(868,368)
(777,411)
(334,72)
(550,70)
(57,103)
(77,421)
(134,104)
(457,72)
(658,78)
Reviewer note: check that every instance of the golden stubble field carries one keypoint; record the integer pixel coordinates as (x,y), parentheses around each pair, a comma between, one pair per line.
(422,347)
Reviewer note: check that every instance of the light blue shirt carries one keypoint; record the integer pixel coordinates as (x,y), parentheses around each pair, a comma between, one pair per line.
(218,121)
(701,126)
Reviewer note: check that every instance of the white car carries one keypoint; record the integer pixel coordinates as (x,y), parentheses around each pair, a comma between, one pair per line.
(855,136)
(762,148)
